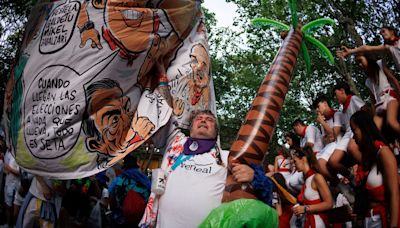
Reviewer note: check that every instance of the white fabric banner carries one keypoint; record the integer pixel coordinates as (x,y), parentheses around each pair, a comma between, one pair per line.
(96,79)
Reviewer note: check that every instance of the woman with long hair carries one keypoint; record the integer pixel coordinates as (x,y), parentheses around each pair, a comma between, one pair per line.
(381,183)
(384,89)
(280,203)
(315,197)
(295,180)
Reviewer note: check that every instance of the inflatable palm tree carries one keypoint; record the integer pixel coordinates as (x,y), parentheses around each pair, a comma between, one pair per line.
(254,135)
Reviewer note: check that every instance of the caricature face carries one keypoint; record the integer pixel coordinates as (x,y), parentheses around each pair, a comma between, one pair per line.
(129,18)
(112,117)
(200,65)
(340,96)
(204,126)
(387,34)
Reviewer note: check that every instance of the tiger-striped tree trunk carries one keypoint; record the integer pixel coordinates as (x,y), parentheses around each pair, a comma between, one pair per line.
(254,135)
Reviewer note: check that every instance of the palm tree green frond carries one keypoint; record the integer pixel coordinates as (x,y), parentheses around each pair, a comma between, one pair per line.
(322,48)
(264,22)
(306,57)
(313,25)
(293,12)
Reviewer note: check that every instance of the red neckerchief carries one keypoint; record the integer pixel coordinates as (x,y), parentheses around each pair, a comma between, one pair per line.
(309,173)
(393,41)
(330,114)
(304,132)
(347,103)
(379,144)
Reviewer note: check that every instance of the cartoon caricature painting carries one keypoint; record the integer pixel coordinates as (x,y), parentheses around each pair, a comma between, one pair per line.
(111,128)
(200,78)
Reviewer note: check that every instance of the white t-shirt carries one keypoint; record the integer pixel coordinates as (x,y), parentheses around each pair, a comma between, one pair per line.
(193,189)
(11,179)
(378,88)
(313,135)
(356,103)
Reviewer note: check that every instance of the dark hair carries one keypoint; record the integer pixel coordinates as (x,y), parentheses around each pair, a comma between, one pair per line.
(88,125)
(370,133)
(3,146)
(307,152)
(319,99)
(373,67)
(344,86)
(130,161)
(297,122)
(282,182)
(390,28)
(295,139)
(285,152)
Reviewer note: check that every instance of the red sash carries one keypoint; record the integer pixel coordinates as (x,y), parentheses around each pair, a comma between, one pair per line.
(310,219)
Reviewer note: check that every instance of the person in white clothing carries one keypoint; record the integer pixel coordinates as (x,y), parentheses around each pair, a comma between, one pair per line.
(330,121)
(310,136)
(295,180)
(196,171)
(283,163)
(384,89)
(315,197)
(340,160)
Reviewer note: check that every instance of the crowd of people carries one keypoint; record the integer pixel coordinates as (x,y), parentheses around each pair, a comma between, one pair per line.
(342,172)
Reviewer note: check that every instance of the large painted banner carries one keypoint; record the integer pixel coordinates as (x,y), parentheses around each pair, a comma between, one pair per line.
(96,79)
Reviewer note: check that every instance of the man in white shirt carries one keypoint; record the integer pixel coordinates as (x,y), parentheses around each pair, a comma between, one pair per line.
(330,121)
(340,160)
(196,170)
(346,153)
(309,136)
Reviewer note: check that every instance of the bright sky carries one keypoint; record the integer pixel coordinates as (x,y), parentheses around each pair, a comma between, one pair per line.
(224,11)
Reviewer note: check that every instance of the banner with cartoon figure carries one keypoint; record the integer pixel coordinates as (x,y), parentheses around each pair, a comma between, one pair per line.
(96,79)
